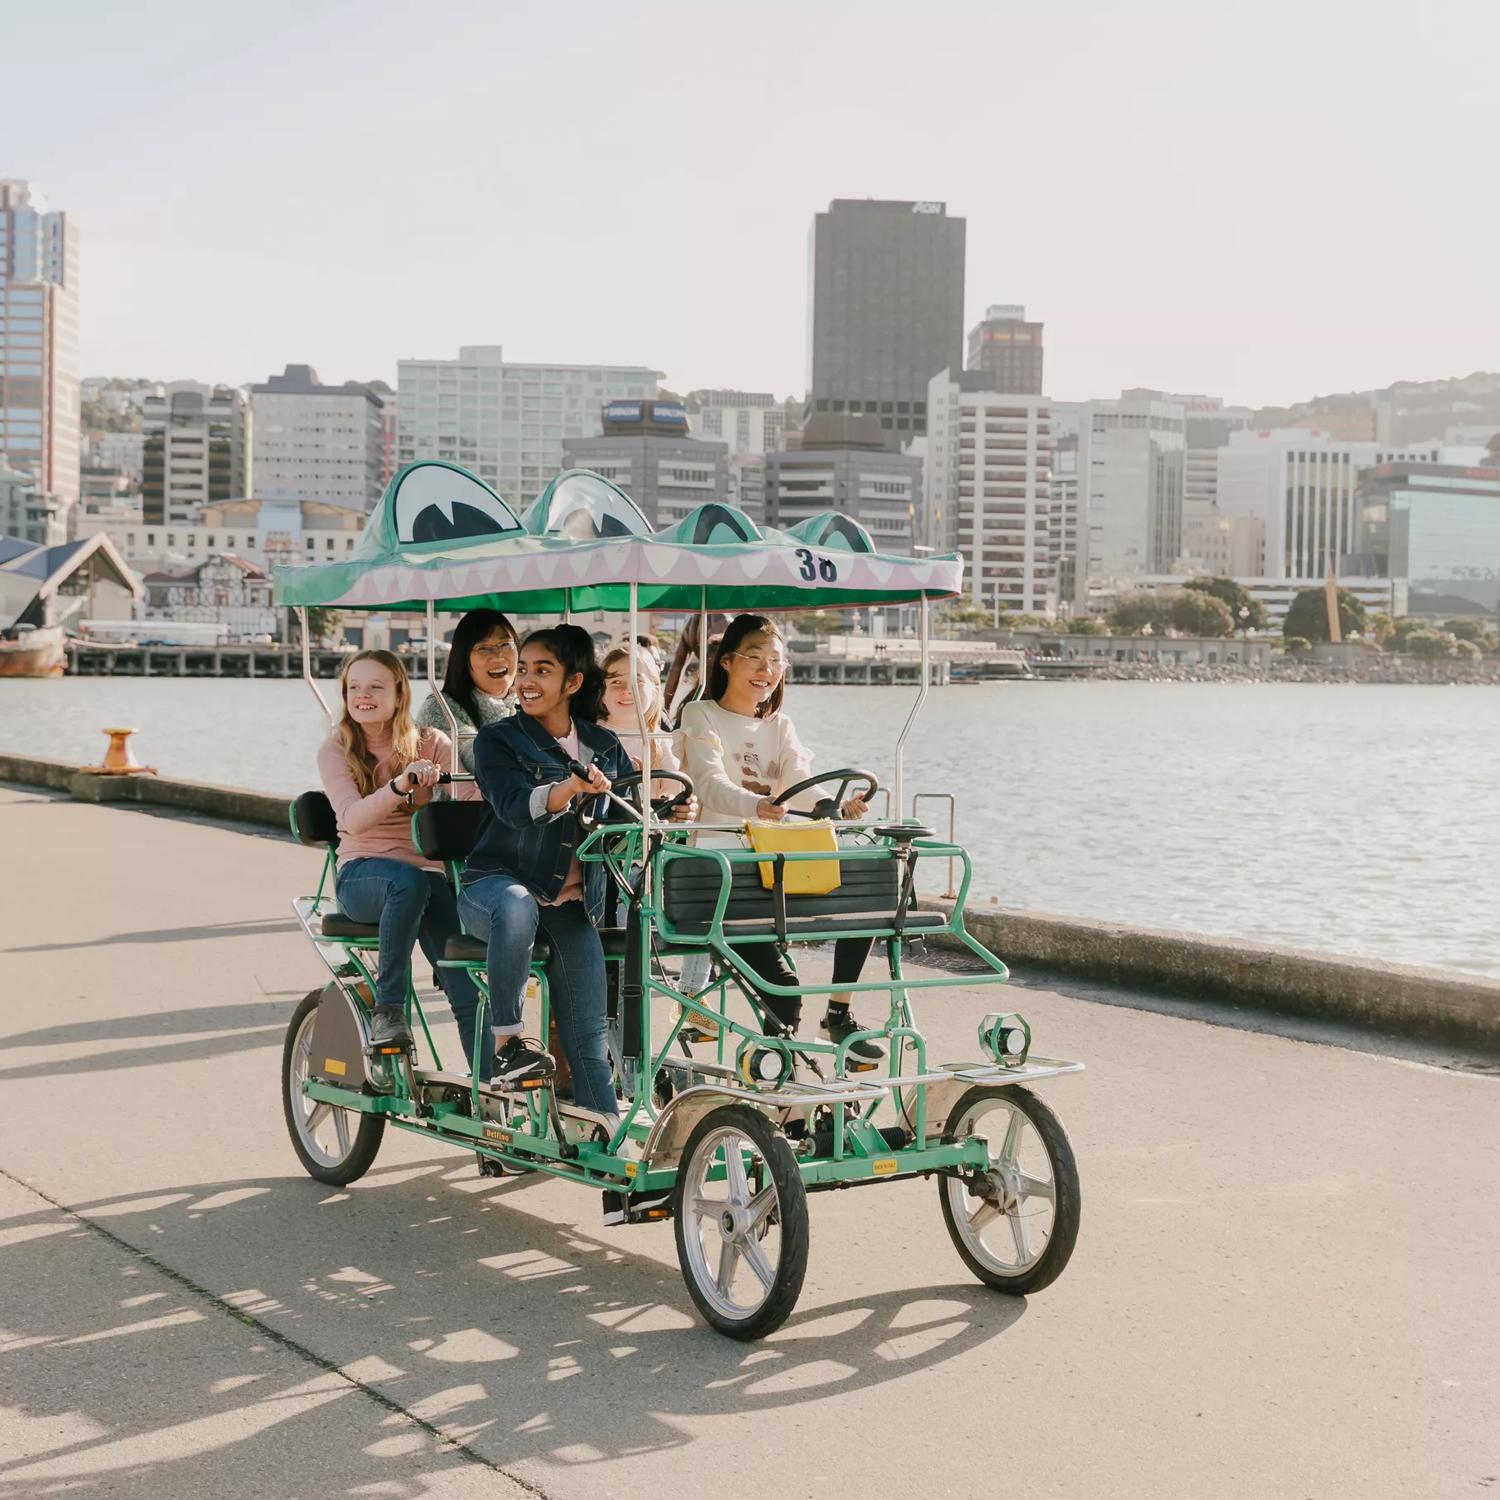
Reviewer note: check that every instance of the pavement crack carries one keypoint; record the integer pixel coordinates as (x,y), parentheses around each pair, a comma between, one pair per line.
(281,1340)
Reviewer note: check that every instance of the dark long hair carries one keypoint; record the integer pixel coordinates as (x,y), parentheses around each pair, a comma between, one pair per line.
(718,677)
(458,683)
(574,649)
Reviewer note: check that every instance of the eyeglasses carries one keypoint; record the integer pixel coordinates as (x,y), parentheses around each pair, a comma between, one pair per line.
(757,660)
(492,653)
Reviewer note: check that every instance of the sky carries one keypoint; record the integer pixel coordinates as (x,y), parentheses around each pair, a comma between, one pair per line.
(1264,202)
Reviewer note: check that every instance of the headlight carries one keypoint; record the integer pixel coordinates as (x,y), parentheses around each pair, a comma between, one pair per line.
(1005,1037)
(761,1065)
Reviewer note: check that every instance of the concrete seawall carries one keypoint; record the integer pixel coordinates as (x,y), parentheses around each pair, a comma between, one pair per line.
(1437,1004)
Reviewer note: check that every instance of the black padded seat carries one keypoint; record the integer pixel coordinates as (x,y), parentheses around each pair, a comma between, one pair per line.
(313,822)
(337,925)
(447,830)
(867,896)
(465,949)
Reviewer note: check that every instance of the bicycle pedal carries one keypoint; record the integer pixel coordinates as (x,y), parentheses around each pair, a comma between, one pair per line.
(860,1067)
(636,1208)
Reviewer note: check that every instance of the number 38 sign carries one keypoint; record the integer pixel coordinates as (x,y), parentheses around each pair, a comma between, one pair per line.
(813,569)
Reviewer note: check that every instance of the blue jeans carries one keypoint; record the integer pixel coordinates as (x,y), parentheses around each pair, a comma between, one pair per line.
(412,906)
(507,916)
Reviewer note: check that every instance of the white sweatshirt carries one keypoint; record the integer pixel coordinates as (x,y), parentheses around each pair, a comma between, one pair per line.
(735,760)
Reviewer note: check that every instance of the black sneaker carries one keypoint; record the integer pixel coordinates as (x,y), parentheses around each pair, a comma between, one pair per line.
(521,1064)
(388,1029)
(837,1024)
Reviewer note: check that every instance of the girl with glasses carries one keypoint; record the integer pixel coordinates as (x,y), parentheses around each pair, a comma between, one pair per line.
(479,683)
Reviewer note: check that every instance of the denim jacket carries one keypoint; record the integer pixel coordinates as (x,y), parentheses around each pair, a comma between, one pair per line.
(517,763)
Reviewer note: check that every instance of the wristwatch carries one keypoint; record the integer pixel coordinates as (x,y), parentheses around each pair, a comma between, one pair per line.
(404,796)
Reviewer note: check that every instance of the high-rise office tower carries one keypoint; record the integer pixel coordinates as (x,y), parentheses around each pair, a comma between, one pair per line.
(885,309)
(39,400)
(1009,347)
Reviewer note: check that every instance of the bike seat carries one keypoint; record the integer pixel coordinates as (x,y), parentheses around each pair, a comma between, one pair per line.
(337,925)
(464,949)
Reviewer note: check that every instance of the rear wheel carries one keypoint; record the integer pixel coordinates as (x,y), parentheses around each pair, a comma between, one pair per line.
(335,1145)
(1014,1222)
(741,1222)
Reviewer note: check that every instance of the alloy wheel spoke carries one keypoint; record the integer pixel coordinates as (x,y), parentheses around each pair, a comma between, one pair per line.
(1012,1137)
(982,1215)
(734,1171)
(317,1114)
(752,1252)
(1019,1234)
(705,1208)
(760,1205)
(728,1254)
(1034,1187)
(341,1129)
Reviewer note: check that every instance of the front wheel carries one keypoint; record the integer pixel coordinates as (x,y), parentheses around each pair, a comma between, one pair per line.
(741,1215)
(334,1145)
(1014,1222)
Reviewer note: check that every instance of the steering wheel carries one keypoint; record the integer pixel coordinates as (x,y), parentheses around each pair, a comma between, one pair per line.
(661,807)
(828,807)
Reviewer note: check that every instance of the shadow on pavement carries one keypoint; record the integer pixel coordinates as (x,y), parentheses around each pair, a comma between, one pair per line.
(263,927)
(542,1347)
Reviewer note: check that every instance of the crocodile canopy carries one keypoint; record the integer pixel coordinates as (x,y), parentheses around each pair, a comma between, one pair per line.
(440,536)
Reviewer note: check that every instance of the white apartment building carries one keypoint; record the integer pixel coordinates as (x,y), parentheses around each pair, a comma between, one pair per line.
(746,421)
(263,532)
(868,483)
(1130,478)
(317,442)
(39,391)
(988,490)
(1301,486)
(506,422)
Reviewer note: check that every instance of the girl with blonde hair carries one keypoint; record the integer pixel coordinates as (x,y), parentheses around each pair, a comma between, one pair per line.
(376,766)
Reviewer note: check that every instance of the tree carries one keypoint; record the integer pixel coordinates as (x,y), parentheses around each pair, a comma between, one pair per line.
(963,615)
(1084,625)
(1237,597)
(817,622)
(1467,628)
(1308,616)
(1131,613)
(1427,644)
(1297,645)
(1380,628)
(1200,613)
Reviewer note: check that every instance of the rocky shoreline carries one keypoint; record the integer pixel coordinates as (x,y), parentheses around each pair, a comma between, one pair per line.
(1403,670)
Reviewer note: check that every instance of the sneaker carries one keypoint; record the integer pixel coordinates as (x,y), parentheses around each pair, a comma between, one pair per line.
(388,1029)
(697,1027)
(837,1024)
(521,1063)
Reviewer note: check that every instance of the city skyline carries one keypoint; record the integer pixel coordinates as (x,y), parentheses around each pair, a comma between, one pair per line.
(324,202)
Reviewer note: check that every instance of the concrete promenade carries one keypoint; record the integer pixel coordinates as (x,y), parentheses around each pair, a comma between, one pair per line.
(1284,1286)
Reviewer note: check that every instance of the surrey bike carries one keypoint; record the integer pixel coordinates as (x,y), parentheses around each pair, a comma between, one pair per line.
(725,1125)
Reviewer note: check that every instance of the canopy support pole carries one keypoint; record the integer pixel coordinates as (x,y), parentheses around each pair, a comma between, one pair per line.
(432,684)
(567,618)
(702,687)
(916,708)
(645,733)
(307,671)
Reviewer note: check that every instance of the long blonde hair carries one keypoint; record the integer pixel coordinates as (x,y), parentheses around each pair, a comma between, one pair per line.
(351,737)
(652,706)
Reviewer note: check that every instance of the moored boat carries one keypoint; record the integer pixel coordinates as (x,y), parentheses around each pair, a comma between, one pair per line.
(33,652)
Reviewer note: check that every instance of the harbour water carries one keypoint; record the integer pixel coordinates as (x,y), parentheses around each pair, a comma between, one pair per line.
(1359,820)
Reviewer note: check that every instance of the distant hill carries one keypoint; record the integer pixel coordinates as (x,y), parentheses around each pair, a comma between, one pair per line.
(1410,411)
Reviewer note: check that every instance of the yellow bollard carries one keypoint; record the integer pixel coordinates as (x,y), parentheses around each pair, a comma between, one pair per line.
(119,759)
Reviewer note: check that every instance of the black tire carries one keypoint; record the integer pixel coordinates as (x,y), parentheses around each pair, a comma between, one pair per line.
(347,1166)
(791,1221)
(1067,1202)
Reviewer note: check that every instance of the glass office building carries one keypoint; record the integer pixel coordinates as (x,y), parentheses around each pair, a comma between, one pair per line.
(1434,531)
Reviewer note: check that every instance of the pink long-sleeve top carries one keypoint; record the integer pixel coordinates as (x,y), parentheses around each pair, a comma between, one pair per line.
(379,826)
